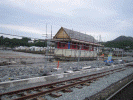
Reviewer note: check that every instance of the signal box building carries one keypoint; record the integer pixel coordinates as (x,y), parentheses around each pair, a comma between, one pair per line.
(72,44)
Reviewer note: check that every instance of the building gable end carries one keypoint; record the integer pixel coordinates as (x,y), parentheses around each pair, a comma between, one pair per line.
(61,34)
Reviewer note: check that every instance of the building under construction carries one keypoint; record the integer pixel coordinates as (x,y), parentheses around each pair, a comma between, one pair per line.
(72,45)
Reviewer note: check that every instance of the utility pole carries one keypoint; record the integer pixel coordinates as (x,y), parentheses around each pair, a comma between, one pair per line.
(51,32)
(50,41)
(79,50)
(98,52)
(46,30)
(79,53)
(46,54)
(98,49)
(85,48)
(93,47)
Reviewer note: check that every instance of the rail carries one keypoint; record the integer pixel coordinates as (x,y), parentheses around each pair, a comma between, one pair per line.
(57,86)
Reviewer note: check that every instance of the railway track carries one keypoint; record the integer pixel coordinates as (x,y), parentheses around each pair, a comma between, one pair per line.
(52,89)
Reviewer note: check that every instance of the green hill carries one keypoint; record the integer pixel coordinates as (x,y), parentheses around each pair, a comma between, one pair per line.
(123,38)
(122,42)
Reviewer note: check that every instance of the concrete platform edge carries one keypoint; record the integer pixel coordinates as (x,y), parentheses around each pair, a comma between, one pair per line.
(108,91)
(50,77)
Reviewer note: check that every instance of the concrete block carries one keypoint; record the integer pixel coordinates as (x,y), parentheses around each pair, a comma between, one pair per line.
(36,79)
(87,67)
(93,69)
(65,74)
(13,62)
(4,85)
(69,71)
(98,68)
(58,70)
(84,71)
(77,73)
(60,75)
(68,74)
(51,77)
(12,83)
(18,82)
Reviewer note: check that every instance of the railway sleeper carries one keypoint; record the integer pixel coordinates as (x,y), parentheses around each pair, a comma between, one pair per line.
(67,90)
(79,80)
(43,89)
(90,81)
(23,93)
(52,86)
(95,79)
(72,81)
(120,70)
(64,83)
(26,93)
(79,87)
(55,94)
(86,84)
(38,98)
(37,90)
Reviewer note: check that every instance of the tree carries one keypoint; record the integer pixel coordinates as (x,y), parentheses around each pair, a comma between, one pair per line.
(25,39)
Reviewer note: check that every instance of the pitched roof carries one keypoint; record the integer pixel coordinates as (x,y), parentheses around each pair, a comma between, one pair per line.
(79,36)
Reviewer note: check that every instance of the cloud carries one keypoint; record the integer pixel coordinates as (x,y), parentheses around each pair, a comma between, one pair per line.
(123,25)
(106,17)
(103,36)
(60,7)
(46,7)
(22,28)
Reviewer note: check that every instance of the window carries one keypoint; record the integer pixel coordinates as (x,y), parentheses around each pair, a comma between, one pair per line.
(63,44)
(74,45)
(59,44)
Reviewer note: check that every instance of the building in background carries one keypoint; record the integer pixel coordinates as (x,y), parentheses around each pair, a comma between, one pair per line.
(72,45)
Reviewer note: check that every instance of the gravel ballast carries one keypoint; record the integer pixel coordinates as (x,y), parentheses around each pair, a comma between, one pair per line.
(86,91)
(36,69)
(14,72)
(100,84)
(33,65)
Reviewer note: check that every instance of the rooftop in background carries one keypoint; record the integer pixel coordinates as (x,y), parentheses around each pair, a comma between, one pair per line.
(74,35)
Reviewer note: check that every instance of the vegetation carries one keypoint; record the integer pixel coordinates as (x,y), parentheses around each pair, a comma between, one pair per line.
(127,45)
(122,42)
(6,42)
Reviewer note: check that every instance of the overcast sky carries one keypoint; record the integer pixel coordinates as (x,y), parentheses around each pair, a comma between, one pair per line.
(108,18)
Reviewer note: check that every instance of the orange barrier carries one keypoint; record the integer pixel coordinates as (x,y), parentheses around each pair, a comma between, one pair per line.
(102,55)
(58,65)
